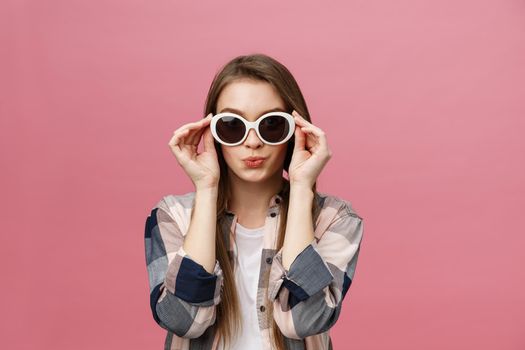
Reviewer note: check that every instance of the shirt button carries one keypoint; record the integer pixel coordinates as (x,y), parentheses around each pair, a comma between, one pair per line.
(262,308)
(273,215)
(277,200)
(269,260)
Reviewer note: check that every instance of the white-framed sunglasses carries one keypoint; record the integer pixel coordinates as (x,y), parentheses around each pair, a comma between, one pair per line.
(273,128)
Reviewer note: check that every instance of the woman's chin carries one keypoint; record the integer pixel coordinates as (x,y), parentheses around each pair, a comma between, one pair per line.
(252,175)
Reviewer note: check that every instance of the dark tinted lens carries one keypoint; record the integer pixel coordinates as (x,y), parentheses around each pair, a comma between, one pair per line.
(274,128)
(230,129)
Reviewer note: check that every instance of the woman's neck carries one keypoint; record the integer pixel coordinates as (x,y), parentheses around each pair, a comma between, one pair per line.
(250,200)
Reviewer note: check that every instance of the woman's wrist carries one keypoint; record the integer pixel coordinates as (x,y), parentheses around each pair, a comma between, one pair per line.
(301,194)
(206,185)
(207,190)
(301,188)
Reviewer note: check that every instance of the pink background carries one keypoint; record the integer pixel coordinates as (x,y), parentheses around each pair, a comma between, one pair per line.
(423,105)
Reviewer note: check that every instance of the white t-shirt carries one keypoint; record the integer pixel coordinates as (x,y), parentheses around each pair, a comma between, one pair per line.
(249,252)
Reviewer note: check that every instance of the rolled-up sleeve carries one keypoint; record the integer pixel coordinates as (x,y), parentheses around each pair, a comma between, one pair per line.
(183,295)
(307,298)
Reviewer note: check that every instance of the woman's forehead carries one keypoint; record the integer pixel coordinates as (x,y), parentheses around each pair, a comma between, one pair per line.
(249,98)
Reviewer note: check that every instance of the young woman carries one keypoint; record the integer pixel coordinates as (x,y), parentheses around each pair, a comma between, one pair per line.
(251,259)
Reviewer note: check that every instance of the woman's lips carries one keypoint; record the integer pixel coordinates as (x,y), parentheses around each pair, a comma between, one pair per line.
(254,163)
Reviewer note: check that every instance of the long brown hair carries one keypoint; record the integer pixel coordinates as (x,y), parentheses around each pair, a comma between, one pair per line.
(259,67)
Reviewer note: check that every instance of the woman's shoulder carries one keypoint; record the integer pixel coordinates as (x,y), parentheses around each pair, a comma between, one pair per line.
(330,203)
(175,200)
(337,216)
(178,206)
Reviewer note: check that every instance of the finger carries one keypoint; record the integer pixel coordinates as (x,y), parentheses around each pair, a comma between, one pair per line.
(197,125)
(202,121)
(312,129)
(315,138)
(208,142)
(176,148)
(303,122)
(196,136)
(299,118)
(191,128)
(299,139)
(176,138)
(315,131)
(310,139)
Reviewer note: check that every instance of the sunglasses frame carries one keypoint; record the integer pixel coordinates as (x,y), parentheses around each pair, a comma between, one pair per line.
(252,125)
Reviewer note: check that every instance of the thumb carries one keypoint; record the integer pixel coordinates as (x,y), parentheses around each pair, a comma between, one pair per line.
(299,139)
(208,141)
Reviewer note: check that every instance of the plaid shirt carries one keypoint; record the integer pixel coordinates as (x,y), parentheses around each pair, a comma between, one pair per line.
(306,300)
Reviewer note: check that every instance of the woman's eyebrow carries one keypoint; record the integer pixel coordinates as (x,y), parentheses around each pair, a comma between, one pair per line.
(241,113)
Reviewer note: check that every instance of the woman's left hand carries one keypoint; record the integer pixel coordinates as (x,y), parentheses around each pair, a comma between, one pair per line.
(310,154)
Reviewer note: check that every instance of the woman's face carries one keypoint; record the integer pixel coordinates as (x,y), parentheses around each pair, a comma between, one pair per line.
(251,99)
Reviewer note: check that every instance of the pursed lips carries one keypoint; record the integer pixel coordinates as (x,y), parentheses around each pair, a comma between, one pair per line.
(254,158)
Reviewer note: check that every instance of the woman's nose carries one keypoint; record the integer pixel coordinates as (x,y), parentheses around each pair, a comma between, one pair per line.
(252,140)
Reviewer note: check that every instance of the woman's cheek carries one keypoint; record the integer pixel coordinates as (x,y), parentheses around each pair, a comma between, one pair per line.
(232,158)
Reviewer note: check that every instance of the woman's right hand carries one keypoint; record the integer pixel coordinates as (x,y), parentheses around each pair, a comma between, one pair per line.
(202,168)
